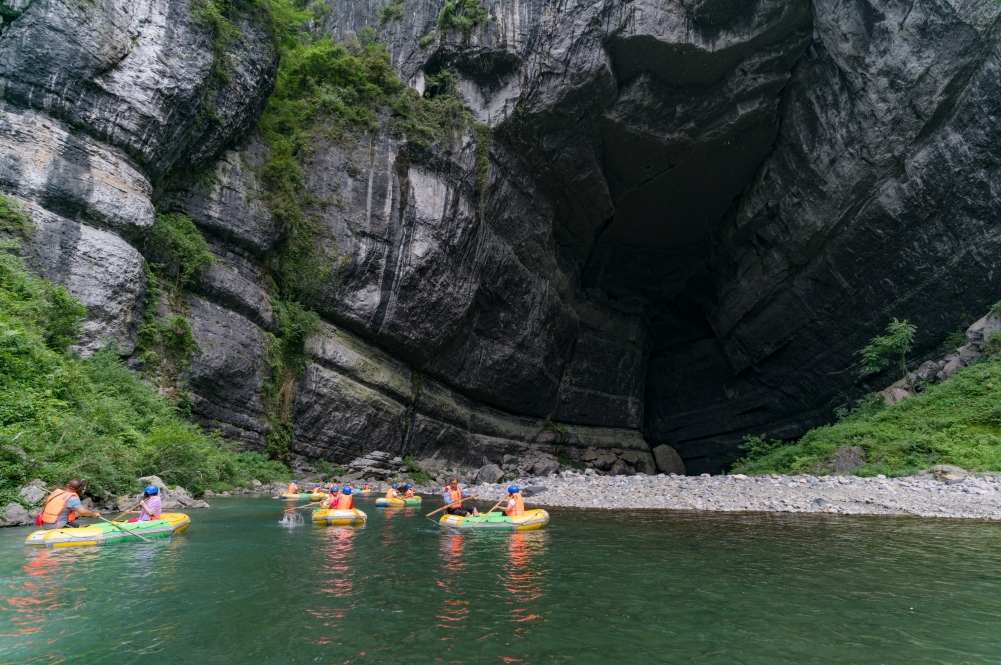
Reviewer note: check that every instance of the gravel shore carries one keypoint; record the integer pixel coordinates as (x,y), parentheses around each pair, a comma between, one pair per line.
(977,497)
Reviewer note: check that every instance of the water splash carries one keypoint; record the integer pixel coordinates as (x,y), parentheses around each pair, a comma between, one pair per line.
(292,518)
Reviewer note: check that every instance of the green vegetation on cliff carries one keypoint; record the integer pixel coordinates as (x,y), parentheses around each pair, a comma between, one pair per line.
(63,417)
(956,422)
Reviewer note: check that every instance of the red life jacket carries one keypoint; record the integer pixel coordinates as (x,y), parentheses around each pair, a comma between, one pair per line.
(55,504)
(454,497)
(519,506)
(345,502)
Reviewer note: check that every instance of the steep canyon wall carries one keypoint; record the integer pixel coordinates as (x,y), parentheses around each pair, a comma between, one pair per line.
(694,213)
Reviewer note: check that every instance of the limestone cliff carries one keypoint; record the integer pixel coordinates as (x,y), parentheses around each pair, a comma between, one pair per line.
(695,212)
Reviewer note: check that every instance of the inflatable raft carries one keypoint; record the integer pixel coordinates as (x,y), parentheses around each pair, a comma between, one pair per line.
(531,520)
(295,497)
(383,502)
(327,517)
(102,532)
(317,497)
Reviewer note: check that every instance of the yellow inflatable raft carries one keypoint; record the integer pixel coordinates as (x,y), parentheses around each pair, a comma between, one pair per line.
(102,532)
(328,517)
(530,521)
(383,502)
(294,496)
(317,497)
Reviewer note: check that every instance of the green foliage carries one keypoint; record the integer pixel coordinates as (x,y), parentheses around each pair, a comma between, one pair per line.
(484,134)
(12,218)
(63,417)
(757,447)
(883,350)
(437,116)
(464,15)
(176,243)
(995,309)
(957,422)
(391,12)
(954,340)
(216,17)
(563,433)
(416,473)
(286,364)
(992,345)
(426,40)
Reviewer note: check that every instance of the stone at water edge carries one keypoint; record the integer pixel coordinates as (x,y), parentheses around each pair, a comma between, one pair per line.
(945,472)
(489,474)
(668,460)
(256,482)
(819,504)
(15,515)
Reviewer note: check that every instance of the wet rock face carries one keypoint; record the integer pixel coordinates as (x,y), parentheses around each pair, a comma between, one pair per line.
(695,212)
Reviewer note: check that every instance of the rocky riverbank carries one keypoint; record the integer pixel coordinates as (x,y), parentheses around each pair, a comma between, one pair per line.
(945,493)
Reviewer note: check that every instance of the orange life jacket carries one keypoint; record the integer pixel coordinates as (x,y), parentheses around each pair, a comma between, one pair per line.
(292,489)
(391,494)
(345,502)
(454,497)
(366,487)
(55,504)
(410,494)
(519,506)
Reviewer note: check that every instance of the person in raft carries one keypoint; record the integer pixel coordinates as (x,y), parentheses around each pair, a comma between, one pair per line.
(391,493)
(515,504)
(366,488)
(344,500)
(150,506)
(332,495)
(62,507)
(318,489)
(454,497)
(409,494)
(293,487)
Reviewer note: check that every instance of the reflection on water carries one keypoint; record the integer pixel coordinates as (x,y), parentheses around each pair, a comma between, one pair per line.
(642,587)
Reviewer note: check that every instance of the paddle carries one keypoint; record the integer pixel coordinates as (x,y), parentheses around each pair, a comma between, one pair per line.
(448,505)
(123,529)
(128,511)
(308,505)
(489,511)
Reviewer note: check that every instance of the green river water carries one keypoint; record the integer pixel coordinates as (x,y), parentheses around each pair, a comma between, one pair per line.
(593,587)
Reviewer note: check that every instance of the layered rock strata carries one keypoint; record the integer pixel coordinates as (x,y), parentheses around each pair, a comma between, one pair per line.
(695,212)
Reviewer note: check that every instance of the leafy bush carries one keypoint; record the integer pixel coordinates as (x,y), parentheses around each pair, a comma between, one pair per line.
(436,116)
(426,40)
(416,473)
(179,247)
(63,417)
(884,349)
(464,15)
(992,345)
(957,422)
(391,12)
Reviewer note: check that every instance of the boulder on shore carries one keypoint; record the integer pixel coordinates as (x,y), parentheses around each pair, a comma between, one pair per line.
(944,472)
(14,515)
(489,474)
(668,460)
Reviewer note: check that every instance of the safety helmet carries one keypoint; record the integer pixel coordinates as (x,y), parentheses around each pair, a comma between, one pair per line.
(333,488)
(409,486)
(347,490)
(513,489)
(295,482)
(151,489)
(394,486)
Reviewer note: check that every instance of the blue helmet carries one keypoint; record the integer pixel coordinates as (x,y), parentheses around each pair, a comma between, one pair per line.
(513,489)
(347,490)
(395,486)
(409,486)
(295,482)
(151,489)
(333,488)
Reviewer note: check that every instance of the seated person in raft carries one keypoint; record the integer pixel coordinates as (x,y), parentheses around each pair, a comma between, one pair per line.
(366,488)
(342,501)
(391,493)
(515,504)
(409,494)
(331,498)
(454,497)
(150,507)
(62,507)
(318,489)
(293,487)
